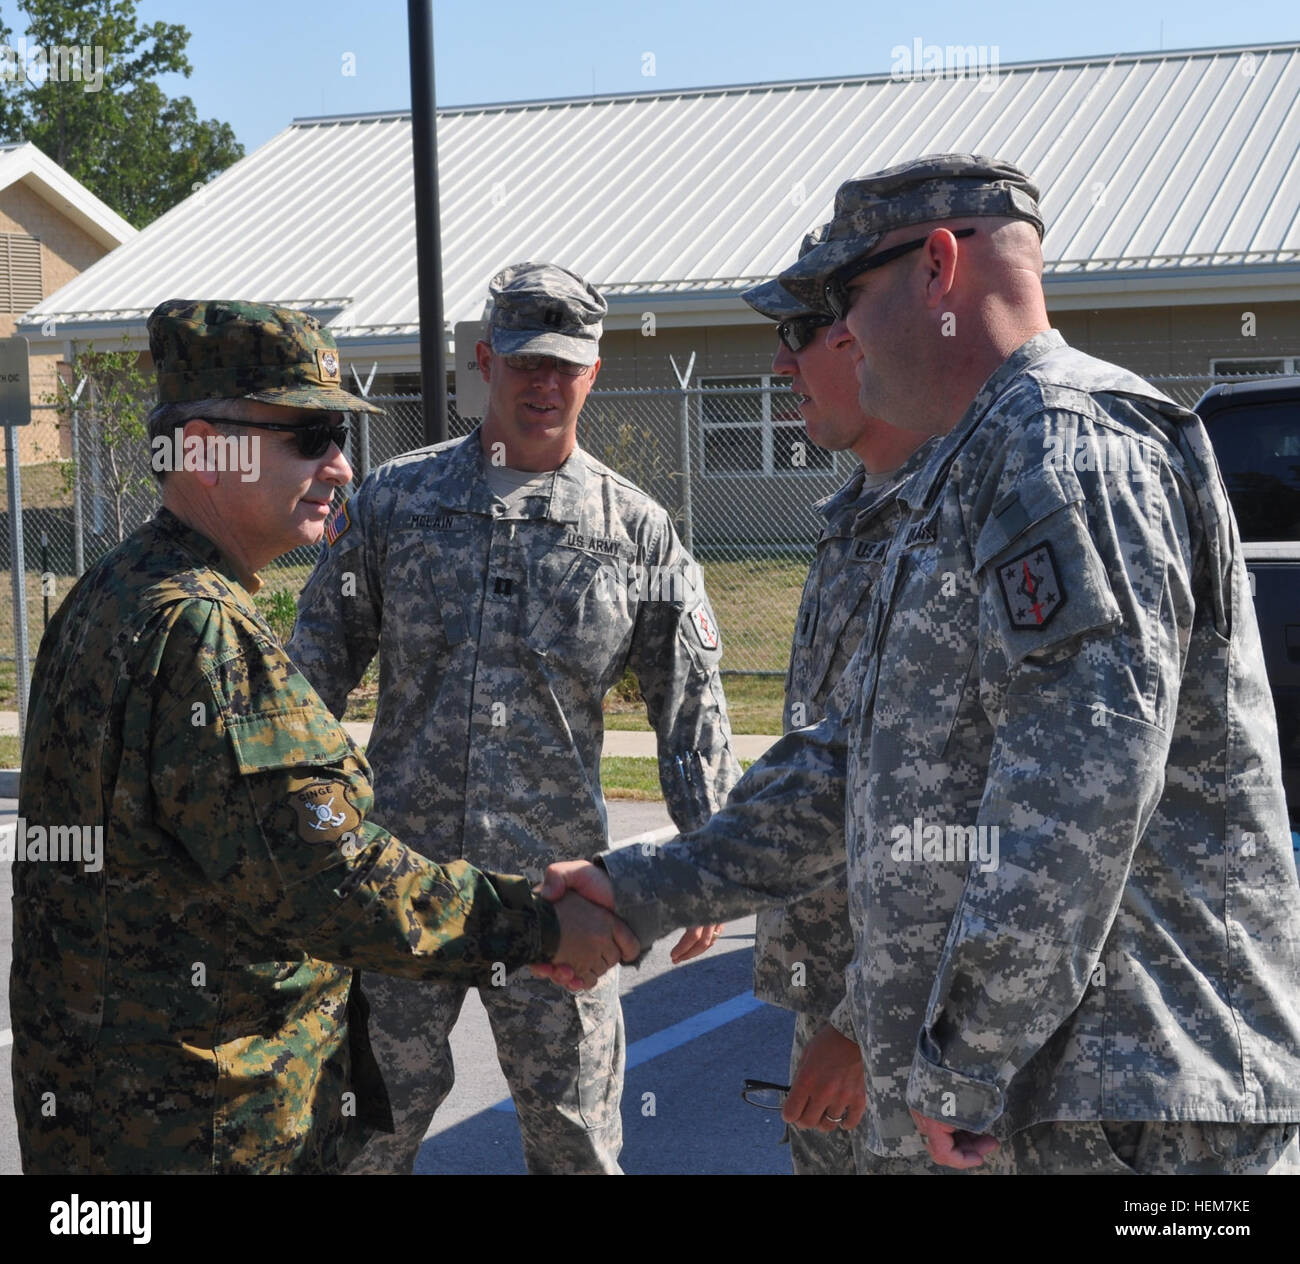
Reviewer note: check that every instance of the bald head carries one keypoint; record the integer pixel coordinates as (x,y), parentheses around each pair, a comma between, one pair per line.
(932,325)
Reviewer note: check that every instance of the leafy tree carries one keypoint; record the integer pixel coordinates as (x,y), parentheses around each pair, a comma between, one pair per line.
(113,409)
(128,142)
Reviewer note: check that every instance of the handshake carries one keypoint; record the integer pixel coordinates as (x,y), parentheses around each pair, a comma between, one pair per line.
(592,938)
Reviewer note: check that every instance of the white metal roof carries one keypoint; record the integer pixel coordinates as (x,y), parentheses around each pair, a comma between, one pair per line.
(1177,162)
(22,162)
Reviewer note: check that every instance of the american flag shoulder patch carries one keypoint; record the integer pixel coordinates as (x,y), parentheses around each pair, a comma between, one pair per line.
(338,524)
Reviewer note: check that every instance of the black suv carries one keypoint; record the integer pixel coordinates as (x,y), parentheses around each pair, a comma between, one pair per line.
(1255,429)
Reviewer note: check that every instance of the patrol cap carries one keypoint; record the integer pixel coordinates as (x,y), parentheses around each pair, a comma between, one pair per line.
(217,349)
(773,300)
(938,186)
(543,309)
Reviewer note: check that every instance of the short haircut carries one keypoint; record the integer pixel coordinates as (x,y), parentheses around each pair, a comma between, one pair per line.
(165,418)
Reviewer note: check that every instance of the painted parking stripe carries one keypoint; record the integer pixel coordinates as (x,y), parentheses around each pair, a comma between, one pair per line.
(677,1035)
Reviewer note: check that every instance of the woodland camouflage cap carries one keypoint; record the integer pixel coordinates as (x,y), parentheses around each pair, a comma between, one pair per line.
(231,350)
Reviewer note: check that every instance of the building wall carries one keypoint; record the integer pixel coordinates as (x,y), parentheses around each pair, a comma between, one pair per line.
(1184,340)
(66,251)
(1155,340)
(1158,342)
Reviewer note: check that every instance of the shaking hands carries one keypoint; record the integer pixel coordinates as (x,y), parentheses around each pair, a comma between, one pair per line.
(585,889)
(592,939)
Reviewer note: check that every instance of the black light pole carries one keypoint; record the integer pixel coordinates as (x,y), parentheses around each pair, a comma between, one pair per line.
(428,237)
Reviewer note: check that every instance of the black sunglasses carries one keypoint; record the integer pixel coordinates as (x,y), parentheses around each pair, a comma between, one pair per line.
(797,332)
(313,438)
(838,298)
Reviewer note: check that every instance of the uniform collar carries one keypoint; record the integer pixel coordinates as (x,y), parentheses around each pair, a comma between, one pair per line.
(925,482)
(877,499)
(849,509)
(203,550)
(463,485)
(835,506)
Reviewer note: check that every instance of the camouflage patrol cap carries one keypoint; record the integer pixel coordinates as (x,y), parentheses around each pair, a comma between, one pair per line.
(938,186)
(773,300)
(545,310)
(231,350)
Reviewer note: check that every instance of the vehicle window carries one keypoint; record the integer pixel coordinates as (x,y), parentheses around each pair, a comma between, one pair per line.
(1258,449)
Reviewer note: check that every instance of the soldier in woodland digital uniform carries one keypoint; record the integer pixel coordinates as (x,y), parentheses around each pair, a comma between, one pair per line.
(1054,760)
(182,991)
(506,581)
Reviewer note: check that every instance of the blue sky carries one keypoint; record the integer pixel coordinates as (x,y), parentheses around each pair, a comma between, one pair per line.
(260,63)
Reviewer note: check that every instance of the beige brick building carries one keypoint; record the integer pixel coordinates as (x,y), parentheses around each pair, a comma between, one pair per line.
(52,228)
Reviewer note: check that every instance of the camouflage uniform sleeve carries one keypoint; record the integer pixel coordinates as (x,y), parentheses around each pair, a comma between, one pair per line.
(269,799)
(336,633)
(1085,610)
(675,652)
(841,1018)
(779,836)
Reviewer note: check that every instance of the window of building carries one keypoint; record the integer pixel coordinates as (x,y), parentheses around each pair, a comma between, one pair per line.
(1262,366)
(21,282)
(755,428)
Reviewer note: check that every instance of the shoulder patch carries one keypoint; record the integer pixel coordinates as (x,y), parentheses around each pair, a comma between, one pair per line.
(338,524)
(324,813)
(1031,587)
(704,627)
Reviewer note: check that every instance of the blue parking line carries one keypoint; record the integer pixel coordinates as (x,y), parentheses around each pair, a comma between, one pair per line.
(677,1035)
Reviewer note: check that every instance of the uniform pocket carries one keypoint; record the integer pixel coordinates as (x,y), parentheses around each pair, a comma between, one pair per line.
(559,613)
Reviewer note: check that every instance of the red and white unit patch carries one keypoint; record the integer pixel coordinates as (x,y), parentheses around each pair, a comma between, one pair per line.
(705,628)
(1031,587)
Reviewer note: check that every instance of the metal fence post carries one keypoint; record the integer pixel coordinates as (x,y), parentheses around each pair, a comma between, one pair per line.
(78,514)
(684,450)
(18,574)
(96,474)
(78,525)
(363,422)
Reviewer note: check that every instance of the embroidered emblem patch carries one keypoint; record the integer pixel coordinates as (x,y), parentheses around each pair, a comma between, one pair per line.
(705,628)
(338,524)
(1031,587)
(327,364)
(324,814)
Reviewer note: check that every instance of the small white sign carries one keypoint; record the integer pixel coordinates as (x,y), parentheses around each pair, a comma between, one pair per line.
(471,389)
(15,383)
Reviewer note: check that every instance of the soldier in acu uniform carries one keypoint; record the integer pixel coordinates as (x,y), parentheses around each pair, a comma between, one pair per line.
(1075,908)
(802,949)
(182,999)
(506,581)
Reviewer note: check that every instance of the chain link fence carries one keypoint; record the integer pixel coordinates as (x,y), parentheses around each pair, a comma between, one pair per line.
(729,461)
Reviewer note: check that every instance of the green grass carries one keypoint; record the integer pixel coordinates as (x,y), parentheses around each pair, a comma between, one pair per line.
(622,776)
(753,702)
(755,601)
(634,777)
